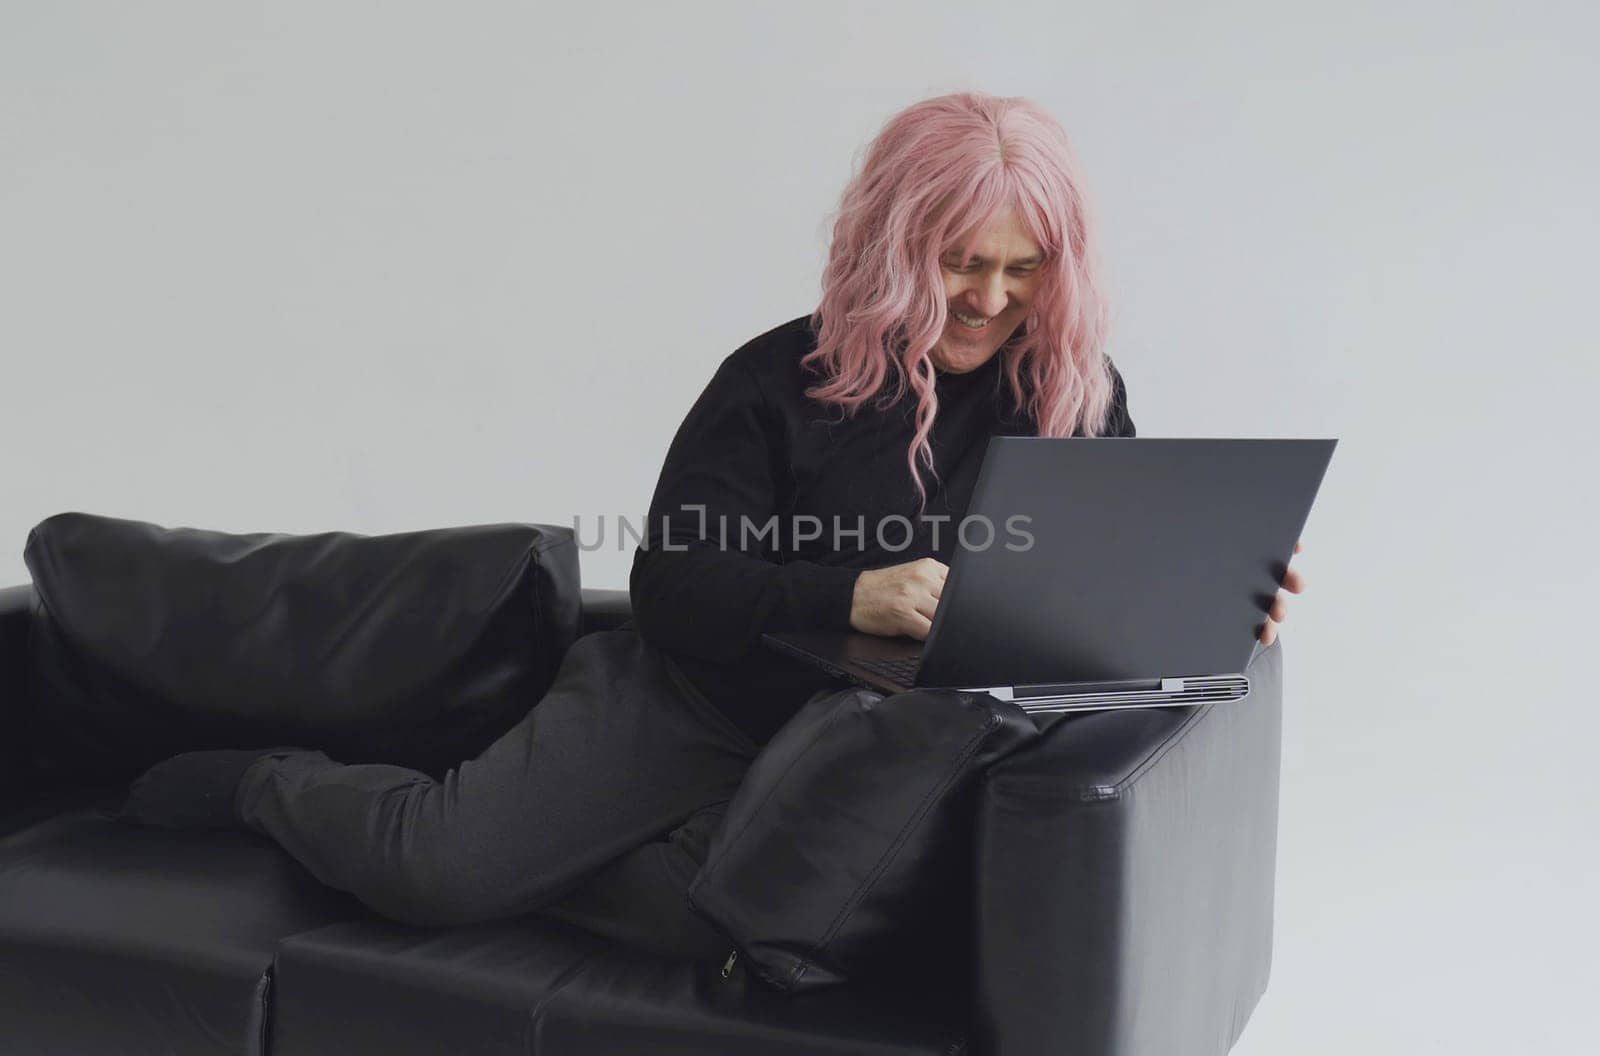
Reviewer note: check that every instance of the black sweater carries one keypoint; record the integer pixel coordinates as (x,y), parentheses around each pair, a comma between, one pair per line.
(752,447)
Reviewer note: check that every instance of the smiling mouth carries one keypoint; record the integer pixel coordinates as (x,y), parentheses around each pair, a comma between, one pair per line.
(971,322)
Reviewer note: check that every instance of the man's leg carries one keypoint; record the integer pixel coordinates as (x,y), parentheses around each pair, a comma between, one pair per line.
(642,898)
(616,754)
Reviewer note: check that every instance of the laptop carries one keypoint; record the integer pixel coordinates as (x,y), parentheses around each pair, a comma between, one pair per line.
(1121,573)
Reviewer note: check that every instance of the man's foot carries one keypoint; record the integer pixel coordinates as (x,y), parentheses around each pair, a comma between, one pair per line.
(193,790)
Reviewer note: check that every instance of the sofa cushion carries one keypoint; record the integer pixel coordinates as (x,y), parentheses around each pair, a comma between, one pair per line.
(536,987)
(128,940)
(416,649)
(847,849)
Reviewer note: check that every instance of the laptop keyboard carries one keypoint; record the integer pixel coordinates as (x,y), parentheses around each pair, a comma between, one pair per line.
(900,672)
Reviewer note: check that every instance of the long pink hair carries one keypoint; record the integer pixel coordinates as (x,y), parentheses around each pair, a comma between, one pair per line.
(938,172)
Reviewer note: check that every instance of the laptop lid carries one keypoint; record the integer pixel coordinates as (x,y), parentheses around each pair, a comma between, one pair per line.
(1119,559)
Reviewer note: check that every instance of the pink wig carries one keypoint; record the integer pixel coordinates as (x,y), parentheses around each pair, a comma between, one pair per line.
(938,172)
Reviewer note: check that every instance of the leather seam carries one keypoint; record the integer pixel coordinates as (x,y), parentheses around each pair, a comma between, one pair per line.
(265,997)
(1101,793)
(545,542)
(1096,794)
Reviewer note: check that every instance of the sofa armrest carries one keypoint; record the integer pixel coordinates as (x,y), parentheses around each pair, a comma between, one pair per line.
(14,605)
(1124,886)
(605,610)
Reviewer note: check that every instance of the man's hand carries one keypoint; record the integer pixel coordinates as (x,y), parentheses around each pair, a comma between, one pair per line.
(899,599)
(1294,583)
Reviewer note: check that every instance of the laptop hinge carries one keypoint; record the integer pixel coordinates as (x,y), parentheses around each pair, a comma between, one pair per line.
(1168,685)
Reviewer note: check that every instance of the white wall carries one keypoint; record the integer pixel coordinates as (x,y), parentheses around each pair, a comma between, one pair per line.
(382,266)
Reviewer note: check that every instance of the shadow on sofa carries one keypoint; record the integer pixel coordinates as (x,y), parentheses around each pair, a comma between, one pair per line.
(1123,874)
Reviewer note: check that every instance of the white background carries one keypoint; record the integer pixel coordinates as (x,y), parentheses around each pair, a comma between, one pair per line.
(382,266)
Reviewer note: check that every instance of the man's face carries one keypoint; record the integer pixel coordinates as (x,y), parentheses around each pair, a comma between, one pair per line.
(995,289)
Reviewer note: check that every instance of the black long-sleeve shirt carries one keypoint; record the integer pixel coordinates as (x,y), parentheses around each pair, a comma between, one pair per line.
(707,583)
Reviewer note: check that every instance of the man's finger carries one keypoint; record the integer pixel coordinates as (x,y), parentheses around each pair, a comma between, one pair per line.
(1279,609)
(920,626)
(1293,581)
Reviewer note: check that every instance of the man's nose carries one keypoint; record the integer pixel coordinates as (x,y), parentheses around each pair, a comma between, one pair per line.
(989,297)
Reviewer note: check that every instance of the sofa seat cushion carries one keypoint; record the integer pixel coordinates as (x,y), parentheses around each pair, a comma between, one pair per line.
(538,987)
(130,940)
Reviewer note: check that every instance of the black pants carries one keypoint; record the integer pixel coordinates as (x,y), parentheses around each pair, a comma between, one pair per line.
(596,807)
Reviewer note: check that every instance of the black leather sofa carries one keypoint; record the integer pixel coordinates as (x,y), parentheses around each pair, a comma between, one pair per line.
(1123,875)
